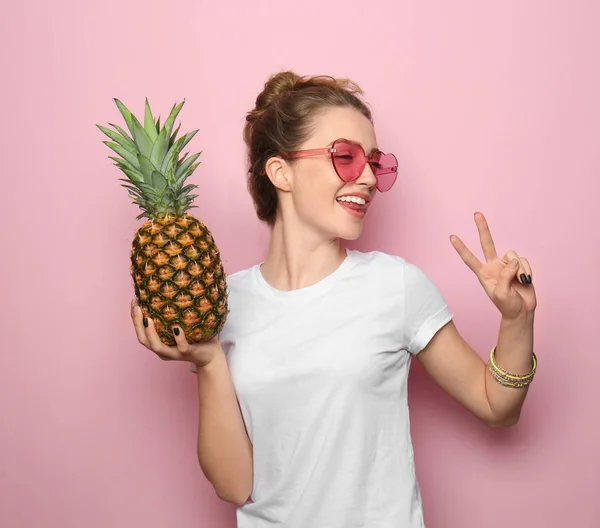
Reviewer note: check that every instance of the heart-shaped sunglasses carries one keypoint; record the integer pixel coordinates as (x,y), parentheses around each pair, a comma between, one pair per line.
(349,161)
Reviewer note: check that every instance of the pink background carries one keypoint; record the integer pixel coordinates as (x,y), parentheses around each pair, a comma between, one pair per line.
(490,106)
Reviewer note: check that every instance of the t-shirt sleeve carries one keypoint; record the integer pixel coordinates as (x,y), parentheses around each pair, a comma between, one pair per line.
(425,309)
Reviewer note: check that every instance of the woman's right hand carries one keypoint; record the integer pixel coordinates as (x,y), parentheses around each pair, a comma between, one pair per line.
(200,354)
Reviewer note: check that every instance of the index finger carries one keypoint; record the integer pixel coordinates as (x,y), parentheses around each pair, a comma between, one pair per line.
(466,254)
(137,318)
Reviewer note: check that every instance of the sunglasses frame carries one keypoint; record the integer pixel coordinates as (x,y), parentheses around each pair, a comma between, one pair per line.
(306,153)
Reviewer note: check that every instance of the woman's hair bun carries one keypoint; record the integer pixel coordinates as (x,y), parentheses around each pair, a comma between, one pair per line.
(281,84)
(276,87)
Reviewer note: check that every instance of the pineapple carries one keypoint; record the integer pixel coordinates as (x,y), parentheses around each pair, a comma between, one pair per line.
(176,267)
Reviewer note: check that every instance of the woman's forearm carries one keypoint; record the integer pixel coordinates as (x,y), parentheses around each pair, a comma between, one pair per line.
(224,449)
(514,353)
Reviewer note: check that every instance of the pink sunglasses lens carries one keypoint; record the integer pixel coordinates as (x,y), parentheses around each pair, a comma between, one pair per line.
(385,167)
(348,160)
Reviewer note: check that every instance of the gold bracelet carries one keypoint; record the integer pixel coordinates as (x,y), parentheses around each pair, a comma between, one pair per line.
(508,374)
(508,379)
(507,382)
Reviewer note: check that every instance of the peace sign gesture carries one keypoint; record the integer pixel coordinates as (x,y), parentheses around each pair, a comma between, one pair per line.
(506,280)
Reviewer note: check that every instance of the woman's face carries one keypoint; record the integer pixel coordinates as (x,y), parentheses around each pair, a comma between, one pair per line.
(312,195)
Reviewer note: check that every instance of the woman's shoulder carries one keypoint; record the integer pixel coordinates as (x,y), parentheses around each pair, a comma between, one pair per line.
(377,270)
(378,259)
(240,277)
(387,267)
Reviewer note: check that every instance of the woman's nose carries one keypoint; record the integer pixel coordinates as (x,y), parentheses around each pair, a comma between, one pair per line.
(367,177)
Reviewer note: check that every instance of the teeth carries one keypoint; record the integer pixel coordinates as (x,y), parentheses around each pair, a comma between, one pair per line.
(353,199)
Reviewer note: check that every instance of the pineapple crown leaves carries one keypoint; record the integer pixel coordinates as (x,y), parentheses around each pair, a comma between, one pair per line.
(150,158)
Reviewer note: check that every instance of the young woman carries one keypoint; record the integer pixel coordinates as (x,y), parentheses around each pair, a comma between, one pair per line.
(304,421)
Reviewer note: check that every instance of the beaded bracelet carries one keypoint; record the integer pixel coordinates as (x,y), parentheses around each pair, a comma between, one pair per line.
(507,379)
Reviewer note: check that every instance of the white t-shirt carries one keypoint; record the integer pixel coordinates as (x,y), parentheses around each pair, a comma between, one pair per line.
(321,378)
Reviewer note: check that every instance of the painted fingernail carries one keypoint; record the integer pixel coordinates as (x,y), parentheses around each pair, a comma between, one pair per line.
(176,331)
(146,322)
(529,279)
(523,278)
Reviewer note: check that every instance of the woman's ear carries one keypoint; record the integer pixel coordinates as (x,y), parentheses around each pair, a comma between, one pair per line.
(279,172)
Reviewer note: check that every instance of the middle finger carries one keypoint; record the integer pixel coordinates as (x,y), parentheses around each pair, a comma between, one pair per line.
(485,237)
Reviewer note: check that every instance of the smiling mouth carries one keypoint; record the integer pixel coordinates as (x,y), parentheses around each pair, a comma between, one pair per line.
(354,205)
(352,199)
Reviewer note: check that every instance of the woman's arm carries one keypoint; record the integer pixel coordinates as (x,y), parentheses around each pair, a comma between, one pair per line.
(464,375)
(457,367)
(224,449)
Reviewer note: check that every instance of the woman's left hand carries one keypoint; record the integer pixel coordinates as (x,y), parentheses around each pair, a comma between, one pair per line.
(506,280)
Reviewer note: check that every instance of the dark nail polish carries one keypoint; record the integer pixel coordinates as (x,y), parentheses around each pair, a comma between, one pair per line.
(529,279)
(146,322)
(523,278)
(176,331)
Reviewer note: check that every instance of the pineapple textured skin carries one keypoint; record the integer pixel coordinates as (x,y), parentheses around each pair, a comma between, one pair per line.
(179,278)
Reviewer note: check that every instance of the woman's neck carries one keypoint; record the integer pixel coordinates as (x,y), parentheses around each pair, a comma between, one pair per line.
(299,257)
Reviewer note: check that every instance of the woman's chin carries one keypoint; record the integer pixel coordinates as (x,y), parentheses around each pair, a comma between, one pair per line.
(351,232)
